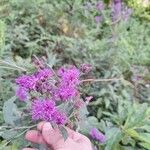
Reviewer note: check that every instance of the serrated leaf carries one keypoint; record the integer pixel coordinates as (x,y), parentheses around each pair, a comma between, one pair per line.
(87,124)
(114,136)
(140,136)
(145,137)
(128,140)
(145,145)
(107,103)
(9,134)
(145,127)
(10,111)
(83,112)
(132,133)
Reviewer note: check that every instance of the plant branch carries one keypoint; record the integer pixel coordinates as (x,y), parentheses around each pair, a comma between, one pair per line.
(102,80)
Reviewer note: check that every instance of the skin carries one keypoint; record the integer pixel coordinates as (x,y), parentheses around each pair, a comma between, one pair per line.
(52,138)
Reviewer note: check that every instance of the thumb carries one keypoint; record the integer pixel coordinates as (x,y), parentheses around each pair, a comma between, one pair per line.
(54,138)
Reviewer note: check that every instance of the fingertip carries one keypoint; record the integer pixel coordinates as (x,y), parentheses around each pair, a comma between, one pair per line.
(30,134)
(47,127)
(40,125)
(34,136)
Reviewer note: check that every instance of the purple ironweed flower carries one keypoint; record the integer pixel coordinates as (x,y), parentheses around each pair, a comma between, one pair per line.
(26,81)
(43,109)
(47,111)
(97,135)
(126,13)
(100,6)
(43,74)
(22,93)
(86,68)
(98,19)
(117,6)
(65,92)
(69,75)
(37,106)
(43,87)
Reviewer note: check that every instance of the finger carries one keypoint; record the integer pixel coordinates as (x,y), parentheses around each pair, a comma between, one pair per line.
(40,125)
(76,136)
(34,136)
(53,137)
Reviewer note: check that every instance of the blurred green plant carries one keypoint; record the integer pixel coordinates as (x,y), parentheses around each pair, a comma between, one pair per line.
(2,37)
(65,32)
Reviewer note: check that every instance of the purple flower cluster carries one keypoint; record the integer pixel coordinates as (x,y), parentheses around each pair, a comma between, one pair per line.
(97,135)
(69,75)
(100,6)
(47,111)
(120,11)
(116,8)
(61,86)
(27,82)
(22,93)
(69,80)
(35,82)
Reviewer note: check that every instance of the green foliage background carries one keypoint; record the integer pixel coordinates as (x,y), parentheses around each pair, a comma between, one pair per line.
(65,32)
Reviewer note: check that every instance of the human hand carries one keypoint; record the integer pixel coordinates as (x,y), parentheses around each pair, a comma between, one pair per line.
(52,138)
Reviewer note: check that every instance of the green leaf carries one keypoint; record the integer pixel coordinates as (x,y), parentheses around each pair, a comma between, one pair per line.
(2,37)
(145,145)
(10,112)
(64,133)
(128,140)
(136,116)
(148,111)
(83,112)
(144,137)
(132,133)
(9,134)
(140,136)
(114,136)
(107,103)
(146,127)
(87,124)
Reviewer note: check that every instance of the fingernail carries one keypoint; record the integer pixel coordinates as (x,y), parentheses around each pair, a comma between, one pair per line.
(47,126)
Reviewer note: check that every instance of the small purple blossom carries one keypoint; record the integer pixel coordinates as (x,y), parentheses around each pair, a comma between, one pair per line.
(37,109)
(43,74)
(98,19)
(69,75)
(126,13)
(100,6)
(26,81)
(86,68)
(97,135)
(116,8)
(120,11)
(22,93)
(46,110)
(66,93)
